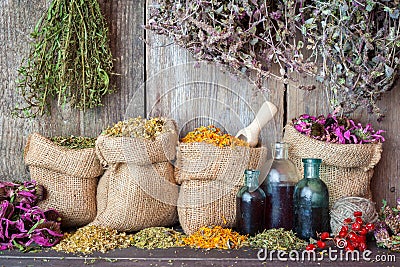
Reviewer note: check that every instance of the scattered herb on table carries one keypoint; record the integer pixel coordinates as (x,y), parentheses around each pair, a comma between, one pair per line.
(337,129)
(91,238)
(213,135)
(137,128)
(157,237)
(70,59)
(23,224)
(277,239)
(209,237)
(387,229)
(74,142)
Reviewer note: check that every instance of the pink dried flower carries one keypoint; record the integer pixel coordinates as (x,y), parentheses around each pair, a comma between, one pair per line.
(337,129)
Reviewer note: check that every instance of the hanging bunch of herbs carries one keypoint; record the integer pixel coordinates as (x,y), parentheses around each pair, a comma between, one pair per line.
(70,59)
(352,46)
(358,42)
(246,36)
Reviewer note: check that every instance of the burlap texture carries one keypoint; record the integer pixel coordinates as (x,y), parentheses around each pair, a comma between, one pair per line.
(138,189)
(210,178)
(69,176)
(346,169)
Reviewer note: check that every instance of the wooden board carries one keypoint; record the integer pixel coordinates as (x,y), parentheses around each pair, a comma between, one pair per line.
(16,22)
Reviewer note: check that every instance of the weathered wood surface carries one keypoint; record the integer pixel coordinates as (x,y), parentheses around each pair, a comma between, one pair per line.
(17,19)
(193,94)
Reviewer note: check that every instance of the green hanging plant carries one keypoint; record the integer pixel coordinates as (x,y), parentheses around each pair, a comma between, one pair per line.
(70,59)
(351,46)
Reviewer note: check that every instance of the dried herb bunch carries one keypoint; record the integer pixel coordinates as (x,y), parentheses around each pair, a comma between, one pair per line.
(359,44)
(246,36)
(352,46)
(70,59)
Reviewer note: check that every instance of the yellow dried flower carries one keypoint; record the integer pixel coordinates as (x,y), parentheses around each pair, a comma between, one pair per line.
(213,135)
(209,237)
(91,238)
(137,128)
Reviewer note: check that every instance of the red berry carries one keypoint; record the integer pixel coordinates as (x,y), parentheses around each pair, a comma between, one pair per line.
(321,244)
(310,247)
(355,244)
(353,237)
(324,235)
(342,233)
(345,228)
(359,220)
(370,226)
(355,226)
(363,231)
(362,247)
(348,221)
(362,239)
(349,247)
(357,214)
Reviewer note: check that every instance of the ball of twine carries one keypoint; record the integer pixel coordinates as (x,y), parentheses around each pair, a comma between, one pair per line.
(345,207)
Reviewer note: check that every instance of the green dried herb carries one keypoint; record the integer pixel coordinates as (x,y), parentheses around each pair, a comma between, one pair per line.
(352,47)
(137,127)
(277,239)
(74,142)
(70,59)
(157,237)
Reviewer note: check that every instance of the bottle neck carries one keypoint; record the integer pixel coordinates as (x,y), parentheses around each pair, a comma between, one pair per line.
(281,151)
(311,170)
(251,179)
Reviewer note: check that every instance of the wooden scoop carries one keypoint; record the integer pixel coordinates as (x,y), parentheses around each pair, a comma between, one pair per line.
(251,132)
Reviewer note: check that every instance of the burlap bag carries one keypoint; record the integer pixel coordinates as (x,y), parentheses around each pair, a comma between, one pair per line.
(137,189)
(346,169)
(69,177)
(210,178)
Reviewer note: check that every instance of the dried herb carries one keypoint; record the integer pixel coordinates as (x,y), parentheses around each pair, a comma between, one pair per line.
(91,238)
(24,225)
(74,142)
(70,59)
(337,129)
(209,237)
(213,135)
(277,239)
(157,237)
(358,43)
(137,128)
(245,36)
(351,46)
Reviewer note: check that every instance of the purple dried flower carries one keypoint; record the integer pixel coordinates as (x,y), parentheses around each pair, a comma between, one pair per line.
(45,237)
(276,15)
(381,234)
(333,129)
(6,209)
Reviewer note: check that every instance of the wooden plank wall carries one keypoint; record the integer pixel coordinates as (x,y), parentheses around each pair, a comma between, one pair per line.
(163,79)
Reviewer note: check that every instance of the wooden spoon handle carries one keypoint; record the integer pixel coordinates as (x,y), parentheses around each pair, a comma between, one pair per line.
(264,115)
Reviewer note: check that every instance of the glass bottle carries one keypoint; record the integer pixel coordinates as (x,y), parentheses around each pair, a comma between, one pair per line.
(279,188)
(311,198)
(250,205)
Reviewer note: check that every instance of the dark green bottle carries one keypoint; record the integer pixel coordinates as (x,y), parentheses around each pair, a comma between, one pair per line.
(250,205)
(311,202)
